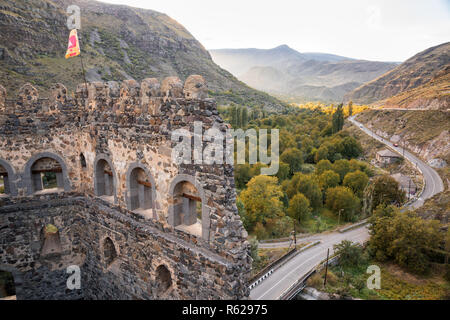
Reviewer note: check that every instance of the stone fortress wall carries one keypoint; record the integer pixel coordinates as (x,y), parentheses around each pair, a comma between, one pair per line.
(138,225)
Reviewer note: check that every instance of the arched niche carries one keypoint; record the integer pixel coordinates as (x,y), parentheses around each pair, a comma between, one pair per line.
(105,178)
(187,206)
(141,190)
(163,280)
(109,251)
(44,165)
(14,281)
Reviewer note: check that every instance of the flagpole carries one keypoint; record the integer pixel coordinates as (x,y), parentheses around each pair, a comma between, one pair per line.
(82,67)
(84,74)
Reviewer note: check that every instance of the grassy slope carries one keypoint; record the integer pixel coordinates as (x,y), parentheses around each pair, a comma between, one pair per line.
(396,284)
(434,94)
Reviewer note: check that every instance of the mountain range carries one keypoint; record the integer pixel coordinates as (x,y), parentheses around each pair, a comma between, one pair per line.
(118,42)
(299,76)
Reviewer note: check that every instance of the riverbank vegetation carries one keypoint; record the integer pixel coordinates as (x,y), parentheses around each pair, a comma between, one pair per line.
(320,180)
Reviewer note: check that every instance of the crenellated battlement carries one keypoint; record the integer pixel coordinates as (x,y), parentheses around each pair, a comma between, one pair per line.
(129,96)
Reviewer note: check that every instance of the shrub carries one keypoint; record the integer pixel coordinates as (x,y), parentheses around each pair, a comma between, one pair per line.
(350,254)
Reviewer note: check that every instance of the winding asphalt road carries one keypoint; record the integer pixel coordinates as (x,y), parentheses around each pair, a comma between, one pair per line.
(282,279)
(433,182)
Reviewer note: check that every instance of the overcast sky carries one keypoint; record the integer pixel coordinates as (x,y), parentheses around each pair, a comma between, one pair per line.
(384,30)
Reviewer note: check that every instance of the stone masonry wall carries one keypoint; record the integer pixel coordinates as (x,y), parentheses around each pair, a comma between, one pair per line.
(127,125)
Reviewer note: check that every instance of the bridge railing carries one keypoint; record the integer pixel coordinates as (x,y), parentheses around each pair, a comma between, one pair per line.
(300,284)
(268,270)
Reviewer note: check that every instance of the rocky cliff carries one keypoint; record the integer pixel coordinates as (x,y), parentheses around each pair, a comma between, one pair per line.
(426,132)
(417,71)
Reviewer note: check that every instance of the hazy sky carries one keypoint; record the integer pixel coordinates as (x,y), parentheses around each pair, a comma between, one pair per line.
(385,30)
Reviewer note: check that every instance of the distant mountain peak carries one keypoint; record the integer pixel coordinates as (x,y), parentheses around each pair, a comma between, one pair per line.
(283,47)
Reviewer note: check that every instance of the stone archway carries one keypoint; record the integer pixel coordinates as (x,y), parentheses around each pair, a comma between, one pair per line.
(9,178)
(41,163)
(105,178)
(163,280)
(15,276)
(141,190)
(185,194)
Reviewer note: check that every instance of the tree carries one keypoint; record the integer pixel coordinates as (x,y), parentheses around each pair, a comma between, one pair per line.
(306,145)
(323,165)
(321,154)
(329,179)
(283,171)
(338,119)
(287,140)
(342,167)
(294,158)
(350,108)
(234,116)
(404,238)
(299,208)
(239,117)
(254,249)
(242,175)
(308,185)
(350,254)
(242,214)
(342,200)
(262,199)
(384,190)
(351,148)
(244,116)
(357,181)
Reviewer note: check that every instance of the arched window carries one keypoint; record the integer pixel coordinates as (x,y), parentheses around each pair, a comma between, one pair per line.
(83,161)
(4,181)
(7,286)
(141,190)
(109,251)
(163,279)
(104,180)
(186,212)
(46,173)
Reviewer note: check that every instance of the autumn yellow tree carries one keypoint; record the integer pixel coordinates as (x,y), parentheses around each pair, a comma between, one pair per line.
(299,208)
(262,200)
(357,181)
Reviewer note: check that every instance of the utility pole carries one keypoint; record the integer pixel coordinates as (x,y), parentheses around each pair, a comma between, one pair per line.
(339,218)
(415,172)
(295,238)
(326,268)
(404,142)
(409,188)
